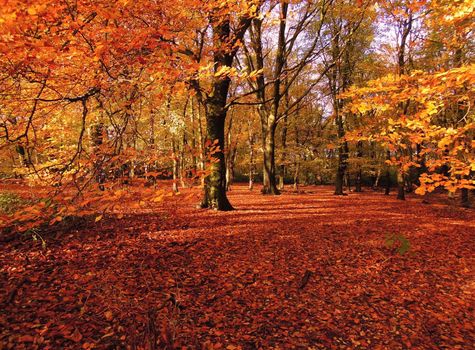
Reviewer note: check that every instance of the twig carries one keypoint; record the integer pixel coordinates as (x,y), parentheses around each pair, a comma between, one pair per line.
(305,279)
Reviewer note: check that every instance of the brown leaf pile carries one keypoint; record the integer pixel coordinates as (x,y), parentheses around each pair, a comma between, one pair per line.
(298,271)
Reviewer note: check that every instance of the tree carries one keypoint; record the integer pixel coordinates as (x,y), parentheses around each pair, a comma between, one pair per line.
(225,41)
(295,55)
(344,23)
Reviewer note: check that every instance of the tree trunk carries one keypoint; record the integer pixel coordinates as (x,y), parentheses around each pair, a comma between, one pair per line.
(465,198)
(251,171)
(174,166)
(284,144)
(376,181)
(151,139)
(225,48)
(182,172)
(193,137)
(359,173)
(214,196)
(348,181)
(281,185)
(97,140)
(229,176)
(341,169)
(201,146)
(251,155)
(282,158)
(296,175)
(400,186)
(269,180)
(230,157)
(464,195)
(269,114)
(231,160)
(387,175)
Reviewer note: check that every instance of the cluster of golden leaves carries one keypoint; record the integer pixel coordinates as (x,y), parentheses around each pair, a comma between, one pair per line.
(439,119)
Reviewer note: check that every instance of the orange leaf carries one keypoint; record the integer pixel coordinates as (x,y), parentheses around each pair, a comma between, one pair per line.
(76,336)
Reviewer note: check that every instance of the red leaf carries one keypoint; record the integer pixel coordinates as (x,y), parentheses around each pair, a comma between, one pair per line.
(76,336)
(26,339)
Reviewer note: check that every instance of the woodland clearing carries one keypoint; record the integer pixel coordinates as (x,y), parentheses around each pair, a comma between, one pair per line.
(304,270)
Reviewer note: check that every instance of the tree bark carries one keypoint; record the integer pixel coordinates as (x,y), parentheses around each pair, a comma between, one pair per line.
(400,186)
(387,175)
(175,166)
(214,196)
(359,173)
(342,160)
(376,180)
(97,140)
(201,146)
(282,158)
(268,145)
(182,164)
(296,175)
(251,155)
(465,199)
(231,156)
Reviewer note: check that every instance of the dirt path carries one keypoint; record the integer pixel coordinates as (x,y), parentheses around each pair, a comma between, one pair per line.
(303,271)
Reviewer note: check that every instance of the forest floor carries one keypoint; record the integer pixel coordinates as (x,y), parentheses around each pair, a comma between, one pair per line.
(296,271)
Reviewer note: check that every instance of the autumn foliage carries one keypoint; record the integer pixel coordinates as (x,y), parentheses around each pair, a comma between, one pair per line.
(121,121)
(440,143)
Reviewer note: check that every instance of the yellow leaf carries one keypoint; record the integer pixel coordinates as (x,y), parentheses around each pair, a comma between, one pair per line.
(223,70)
(31,11)
(420,191)
(98,218)
(157,199)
